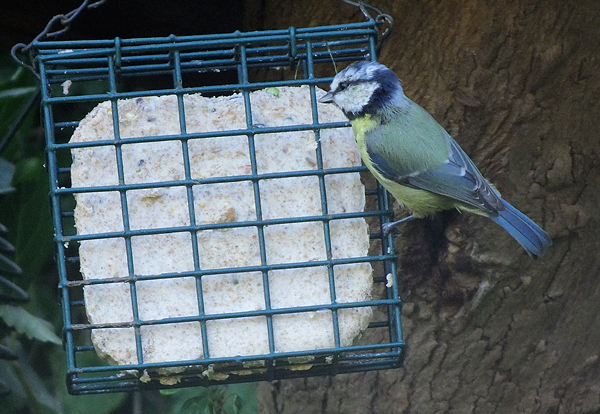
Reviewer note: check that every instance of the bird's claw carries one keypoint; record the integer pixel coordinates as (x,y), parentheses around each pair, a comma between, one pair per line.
(387,228)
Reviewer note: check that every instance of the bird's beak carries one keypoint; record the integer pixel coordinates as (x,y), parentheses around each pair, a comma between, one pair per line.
(327,98)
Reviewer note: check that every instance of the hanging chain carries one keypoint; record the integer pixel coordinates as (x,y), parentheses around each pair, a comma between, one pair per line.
(381,18)
(58,25)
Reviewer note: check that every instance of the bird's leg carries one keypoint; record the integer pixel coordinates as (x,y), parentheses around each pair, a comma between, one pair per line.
(387,227)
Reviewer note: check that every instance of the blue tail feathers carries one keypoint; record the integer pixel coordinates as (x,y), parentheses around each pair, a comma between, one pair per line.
(533,239)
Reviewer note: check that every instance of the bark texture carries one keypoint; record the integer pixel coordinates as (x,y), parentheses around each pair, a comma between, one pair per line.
(488,329)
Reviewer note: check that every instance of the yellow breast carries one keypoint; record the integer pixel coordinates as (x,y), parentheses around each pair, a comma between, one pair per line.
(420,202)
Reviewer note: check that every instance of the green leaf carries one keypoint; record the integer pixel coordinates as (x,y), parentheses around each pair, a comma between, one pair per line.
(28,324)
(17,92)
(170,391)
(32,223)
(219,399)
(6,174)
(81,404)
(242,398)
(29,384)
(9,76)
(196,405)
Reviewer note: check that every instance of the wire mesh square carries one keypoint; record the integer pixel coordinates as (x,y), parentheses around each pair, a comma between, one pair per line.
(78,75)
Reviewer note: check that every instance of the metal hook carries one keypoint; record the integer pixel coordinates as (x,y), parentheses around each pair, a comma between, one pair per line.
(64,19)
(382,18)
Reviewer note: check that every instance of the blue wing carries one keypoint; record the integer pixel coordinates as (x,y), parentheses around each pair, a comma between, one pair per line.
(415,151)
(458,178)
(453,175)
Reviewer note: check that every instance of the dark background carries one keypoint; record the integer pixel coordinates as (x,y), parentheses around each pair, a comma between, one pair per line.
(21,21)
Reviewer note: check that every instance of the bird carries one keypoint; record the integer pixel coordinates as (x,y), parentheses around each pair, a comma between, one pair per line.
(415,159)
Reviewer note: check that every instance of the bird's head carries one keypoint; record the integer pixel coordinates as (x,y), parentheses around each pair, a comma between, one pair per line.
(365,88)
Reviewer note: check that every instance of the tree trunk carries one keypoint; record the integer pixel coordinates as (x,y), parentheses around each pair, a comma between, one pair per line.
(488,329)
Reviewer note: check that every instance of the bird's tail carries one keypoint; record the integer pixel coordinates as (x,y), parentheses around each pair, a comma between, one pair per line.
(533,239)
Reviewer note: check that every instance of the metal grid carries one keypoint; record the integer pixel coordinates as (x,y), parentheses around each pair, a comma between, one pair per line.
(112,70)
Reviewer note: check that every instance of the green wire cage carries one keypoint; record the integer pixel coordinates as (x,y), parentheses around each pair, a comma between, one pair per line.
(77,75)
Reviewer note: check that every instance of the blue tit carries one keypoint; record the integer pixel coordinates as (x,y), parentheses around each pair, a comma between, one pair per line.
(415,159)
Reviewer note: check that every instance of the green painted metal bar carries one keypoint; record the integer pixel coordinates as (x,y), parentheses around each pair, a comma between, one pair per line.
(215,40)
(324,208)
(243,79)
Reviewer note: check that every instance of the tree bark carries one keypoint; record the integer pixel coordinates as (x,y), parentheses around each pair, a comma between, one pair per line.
(488,329)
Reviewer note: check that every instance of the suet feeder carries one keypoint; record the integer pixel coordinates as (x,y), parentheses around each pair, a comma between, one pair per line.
(114,75)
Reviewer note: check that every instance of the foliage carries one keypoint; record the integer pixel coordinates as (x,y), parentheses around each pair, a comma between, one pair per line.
(28,324)
(224,399)
(6,173)
(28,332)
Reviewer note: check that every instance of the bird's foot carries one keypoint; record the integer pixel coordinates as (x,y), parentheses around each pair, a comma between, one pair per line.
(386,228)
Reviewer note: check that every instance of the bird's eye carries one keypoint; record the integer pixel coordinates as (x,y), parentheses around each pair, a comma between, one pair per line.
(343,85)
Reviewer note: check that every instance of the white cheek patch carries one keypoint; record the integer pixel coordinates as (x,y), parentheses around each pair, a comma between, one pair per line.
(356,97)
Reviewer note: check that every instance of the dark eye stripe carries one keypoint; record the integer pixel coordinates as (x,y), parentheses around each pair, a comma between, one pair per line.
(344,84)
